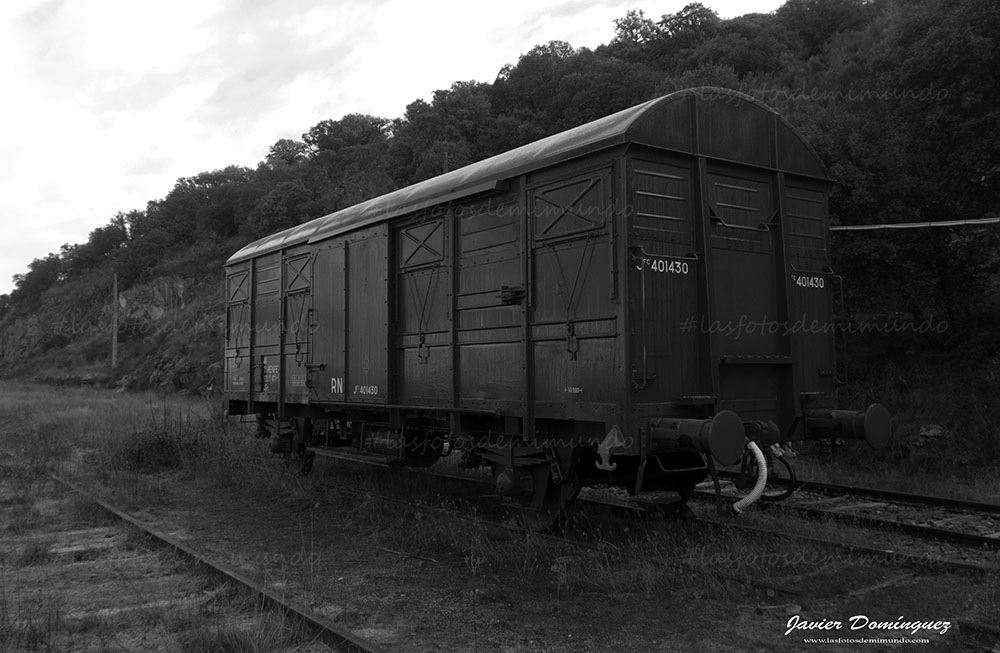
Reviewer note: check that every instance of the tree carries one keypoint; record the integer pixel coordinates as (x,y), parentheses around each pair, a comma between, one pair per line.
(76,259)
(944,65)
(632,34)
(109,237)
(42,274)
(135,260)
(912,136)
(352,130)
(286,152)
(818,21)
(523,91)
(691,24)
(283,207)
(634,29)
(750,44)
(456,128)
(593,86)
(212,204)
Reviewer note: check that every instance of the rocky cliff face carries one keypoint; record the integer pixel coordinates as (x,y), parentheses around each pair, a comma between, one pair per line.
(170,334)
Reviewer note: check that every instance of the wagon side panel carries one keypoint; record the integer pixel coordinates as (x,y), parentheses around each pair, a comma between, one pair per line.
(749,339)
(812,287)
(328,328)
(367,374)
(668,325)
(423,311)
(575,320)
(490,290)
(238,329)
(265,334)
(296,300)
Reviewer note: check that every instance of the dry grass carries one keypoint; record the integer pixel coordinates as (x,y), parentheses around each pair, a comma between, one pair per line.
(139,446)
(128,442)
(32,625)
(960,397)
(856,464)
(136,444)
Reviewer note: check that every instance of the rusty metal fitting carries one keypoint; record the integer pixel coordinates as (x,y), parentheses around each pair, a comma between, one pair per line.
(874,425)
(722,436)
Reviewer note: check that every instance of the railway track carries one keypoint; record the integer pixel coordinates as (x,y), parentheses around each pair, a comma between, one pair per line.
(69,579)
(576,539)
(837,490)
(894,563)
(914,554)
(769,590)
(966,523)
(888,552)
(322,629)
(892,495)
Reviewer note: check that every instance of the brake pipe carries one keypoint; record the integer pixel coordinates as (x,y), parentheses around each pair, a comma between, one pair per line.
(758,488)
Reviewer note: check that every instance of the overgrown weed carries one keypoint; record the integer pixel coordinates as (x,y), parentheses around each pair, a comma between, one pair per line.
(934,391)
(36,552)
(31,625)
(210,626)
(264,635)
(22,517)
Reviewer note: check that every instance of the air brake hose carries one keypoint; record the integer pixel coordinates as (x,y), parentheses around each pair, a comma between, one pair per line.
(758,487)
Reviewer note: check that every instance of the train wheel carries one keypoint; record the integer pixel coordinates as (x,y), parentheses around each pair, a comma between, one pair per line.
(666,503)
(422,449)
(537,500)
(550,512)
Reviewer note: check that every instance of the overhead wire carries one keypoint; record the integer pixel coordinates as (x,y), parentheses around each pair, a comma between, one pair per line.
(914,225)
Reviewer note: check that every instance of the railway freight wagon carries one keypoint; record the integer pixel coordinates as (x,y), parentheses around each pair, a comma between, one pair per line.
(628,302)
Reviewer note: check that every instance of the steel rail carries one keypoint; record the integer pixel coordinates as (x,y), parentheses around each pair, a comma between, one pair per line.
(887,555)
(915,530)
(925,560)
(324,630)
(756,583)
(877,493)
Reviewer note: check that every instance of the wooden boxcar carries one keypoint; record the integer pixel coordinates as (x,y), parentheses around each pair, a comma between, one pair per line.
(618,303)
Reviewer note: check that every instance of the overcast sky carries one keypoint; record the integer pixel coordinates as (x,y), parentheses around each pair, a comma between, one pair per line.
(108,102)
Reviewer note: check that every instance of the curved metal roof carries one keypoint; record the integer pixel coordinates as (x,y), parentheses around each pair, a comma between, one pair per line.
(715,122)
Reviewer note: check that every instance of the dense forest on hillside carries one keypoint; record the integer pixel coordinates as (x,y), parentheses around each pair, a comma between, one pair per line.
(901,99)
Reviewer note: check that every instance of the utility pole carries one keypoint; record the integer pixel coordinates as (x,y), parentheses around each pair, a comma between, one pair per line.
(114,325)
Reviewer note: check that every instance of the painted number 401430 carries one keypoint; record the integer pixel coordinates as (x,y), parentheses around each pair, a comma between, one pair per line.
(668,266)
(805,281)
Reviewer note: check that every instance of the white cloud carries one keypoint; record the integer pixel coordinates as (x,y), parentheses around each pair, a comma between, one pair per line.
(108,102)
